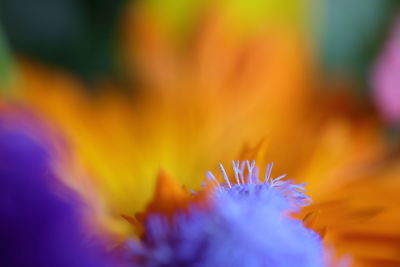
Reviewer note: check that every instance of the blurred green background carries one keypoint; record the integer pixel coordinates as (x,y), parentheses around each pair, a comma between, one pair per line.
(78,35)
(82,35)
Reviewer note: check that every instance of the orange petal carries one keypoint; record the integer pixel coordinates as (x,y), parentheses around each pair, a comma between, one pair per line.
(168,197)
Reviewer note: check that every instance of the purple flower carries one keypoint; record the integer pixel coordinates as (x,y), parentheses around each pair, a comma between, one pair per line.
(37,226)
(246,225)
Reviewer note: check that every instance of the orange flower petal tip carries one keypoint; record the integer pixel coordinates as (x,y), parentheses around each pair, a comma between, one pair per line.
(169,196)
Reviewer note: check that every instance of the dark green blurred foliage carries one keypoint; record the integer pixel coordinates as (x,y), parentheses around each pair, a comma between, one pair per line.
(351,32)
(6,63)
(79,35)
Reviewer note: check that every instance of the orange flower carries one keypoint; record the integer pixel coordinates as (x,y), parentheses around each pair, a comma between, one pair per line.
(188,114)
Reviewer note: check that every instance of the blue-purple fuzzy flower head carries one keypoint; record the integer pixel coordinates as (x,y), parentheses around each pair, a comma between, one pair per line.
(246,225)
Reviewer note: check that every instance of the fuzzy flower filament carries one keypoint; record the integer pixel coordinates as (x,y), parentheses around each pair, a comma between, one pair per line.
(246,225)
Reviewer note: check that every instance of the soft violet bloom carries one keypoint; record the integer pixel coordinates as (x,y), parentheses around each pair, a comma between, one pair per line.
(386,78)
(246,224)
(39,225)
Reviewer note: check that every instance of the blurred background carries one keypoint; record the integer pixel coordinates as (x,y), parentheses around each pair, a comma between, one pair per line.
(79,36)
(84,37)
